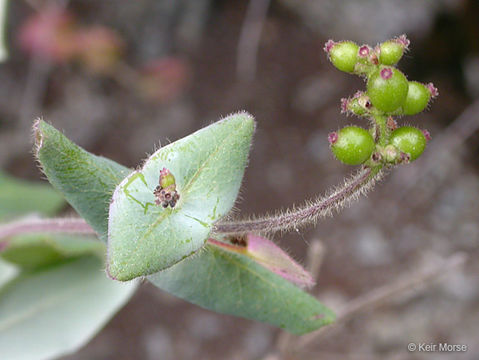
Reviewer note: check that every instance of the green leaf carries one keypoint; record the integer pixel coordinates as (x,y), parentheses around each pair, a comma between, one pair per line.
(35,250)
(208,166)
(191,280)
(87,181)
(20,197)
(233,284)
(53,312)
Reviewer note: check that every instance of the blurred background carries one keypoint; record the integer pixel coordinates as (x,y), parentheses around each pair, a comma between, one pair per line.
(121,77)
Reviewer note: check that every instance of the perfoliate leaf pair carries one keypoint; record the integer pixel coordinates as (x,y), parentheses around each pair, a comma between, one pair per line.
(145,237)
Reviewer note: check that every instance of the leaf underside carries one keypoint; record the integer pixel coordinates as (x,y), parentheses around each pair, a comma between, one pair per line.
(233,284)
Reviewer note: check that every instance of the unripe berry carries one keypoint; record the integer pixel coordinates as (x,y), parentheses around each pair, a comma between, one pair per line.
(417,98)
(359,104)
(166,178)
(343,54)
(165,193)
(390,52)
(352,145)
(387,88)
(409,140)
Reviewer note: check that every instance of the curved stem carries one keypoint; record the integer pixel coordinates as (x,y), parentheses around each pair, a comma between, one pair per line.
(59,225)
(358,184)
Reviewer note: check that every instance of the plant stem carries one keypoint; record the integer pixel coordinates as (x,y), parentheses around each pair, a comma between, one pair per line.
(59,225)
(358,184)
(381,123)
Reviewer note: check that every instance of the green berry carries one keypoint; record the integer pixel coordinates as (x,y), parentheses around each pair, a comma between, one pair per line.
(409,140)
(417,98)
(390,52)
(352,145)
(359,104)
(356,107)
(166,178)
(343,54)
(387,88)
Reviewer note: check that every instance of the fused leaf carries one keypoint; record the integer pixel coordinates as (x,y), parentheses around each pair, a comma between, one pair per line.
(269,298)
(144,236)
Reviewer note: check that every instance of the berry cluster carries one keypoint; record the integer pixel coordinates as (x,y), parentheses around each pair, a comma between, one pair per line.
(388,94)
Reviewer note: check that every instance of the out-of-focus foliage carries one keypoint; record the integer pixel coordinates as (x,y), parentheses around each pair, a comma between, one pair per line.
(55,310)
(20,197)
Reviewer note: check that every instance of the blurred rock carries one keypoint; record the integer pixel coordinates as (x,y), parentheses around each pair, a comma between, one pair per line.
(204,326)
(257,341)
(279,176)
(471,75)
(158,344)
(82,111)
(368,21)
(371,248)
(316,91)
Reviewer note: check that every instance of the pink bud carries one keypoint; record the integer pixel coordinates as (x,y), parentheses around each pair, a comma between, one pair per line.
(427,134)
(329,45)
(344,105)
(386,73)
(432,90)
(333,137)
(164,172)
(358,94)
(364,51)
(403,40)
(404,158)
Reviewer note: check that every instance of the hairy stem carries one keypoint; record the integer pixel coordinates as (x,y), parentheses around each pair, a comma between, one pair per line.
(381,123)
(59,225)
(358,184)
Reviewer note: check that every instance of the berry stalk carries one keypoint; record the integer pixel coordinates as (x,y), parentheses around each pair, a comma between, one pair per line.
(358,184)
